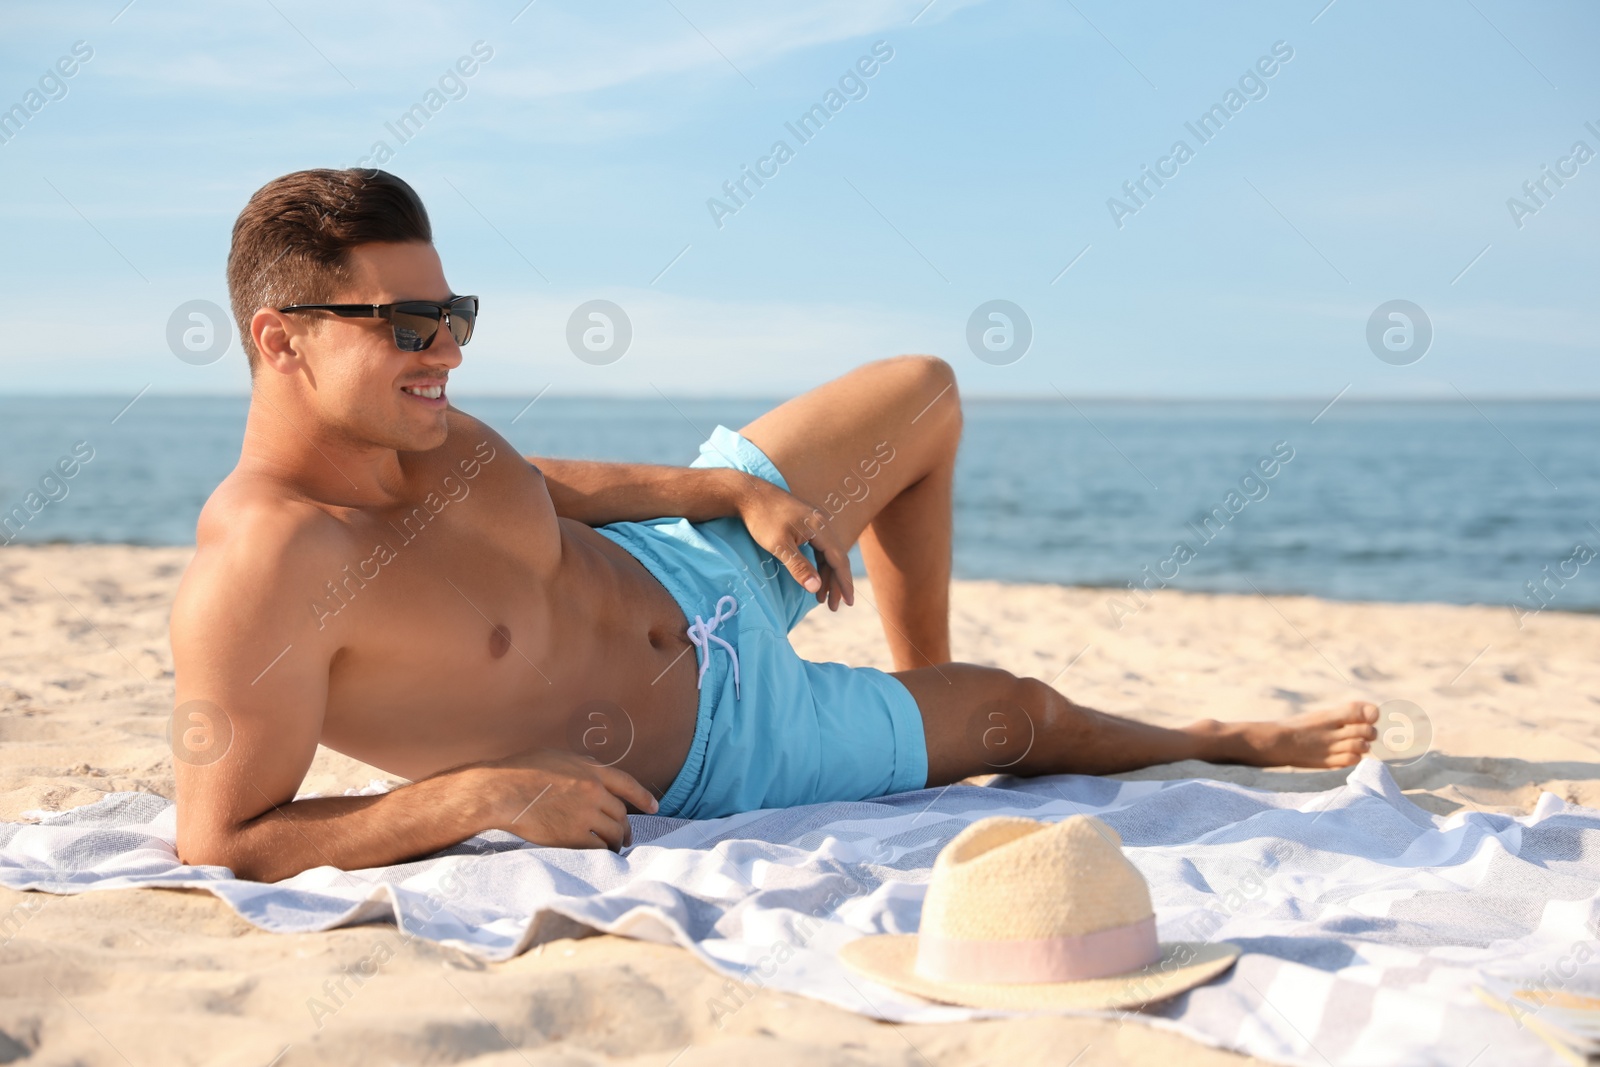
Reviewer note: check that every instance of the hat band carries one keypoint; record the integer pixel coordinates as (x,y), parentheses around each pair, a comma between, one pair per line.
(1117,950)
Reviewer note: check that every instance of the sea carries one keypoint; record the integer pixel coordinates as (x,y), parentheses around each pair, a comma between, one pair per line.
(1458,502)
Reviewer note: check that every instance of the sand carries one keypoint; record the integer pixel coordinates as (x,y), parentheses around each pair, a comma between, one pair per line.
(173,977)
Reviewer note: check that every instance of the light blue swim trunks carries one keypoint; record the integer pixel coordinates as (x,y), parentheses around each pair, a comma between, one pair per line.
(773,730)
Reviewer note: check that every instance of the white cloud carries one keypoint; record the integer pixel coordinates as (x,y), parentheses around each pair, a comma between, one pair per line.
(683,346)
(1475,322)
(305,49)
(686,345)
(593,56)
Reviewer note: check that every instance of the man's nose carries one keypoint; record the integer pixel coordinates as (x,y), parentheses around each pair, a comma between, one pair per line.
(444,352)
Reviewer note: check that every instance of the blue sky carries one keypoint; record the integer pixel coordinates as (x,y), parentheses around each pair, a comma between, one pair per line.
(577,161)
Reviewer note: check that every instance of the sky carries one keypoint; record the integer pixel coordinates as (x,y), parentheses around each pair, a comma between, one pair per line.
(959,153)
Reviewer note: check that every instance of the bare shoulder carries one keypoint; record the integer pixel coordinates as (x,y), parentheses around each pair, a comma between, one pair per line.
(474,452)
(239,611)
(256,546)
(473,443)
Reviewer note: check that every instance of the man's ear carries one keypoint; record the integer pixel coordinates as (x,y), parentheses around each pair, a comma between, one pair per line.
(275,335)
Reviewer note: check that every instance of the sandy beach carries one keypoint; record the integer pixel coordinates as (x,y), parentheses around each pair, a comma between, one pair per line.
(173,977)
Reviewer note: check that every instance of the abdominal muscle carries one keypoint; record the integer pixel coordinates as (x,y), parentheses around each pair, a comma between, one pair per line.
(640,658)
(594,659)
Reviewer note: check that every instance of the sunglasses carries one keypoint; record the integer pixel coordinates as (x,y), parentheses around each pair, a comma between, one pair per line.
(415,322)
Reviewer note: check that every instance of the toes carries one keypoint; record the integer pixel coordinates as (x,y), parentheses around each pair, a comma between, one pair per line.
(1364,730)
(1352,744)
(1354,713)
(1342,759)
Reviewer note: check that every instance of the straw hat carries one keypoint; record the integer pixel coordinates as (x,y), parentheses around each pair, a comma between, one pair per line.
(1030,916)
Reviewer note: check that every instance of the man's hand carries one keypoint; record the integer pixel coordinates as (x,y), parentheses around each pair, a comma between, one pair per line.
(781,522)
(596,493)
(550,797)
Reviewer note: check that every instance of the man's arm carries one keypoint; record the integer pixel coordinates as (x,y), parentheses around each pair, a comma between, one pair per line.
(596,493)
(573,803)
(247,724)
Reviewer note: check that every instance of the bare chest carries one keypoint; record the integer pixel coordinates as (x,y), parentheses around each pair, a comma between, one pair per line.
(441,611)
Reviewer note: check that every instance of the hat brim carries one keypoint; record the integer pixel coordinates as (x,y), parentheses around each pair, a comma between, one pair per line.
(890,959)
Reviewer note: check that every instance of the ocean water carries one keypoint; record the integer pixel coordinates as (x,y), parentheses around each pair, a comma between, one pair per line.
(1450,502)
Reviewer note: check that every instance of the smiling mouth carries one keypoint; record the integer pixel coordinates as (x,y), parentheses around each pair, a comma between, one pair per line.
(426,392)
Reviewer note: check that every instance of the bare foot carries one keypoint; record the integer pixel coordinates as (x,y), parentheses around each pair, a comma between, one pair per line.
(1336,737)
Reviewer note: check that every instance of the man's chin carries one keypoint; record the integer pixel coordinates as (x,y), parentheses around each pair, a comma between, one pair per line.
(427,440)
(417,435)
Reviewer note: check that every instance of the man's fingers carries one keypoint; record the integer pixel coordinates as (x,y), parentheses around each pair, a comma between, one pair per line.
(802,570)
(624,785)
(839,560)
(613,808)
(829,593)
(611,832)
(832,590)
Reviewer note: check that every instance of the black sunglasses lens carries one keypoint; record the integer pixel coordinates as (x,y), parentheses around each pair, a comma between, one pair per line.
(463,316)
(414,326)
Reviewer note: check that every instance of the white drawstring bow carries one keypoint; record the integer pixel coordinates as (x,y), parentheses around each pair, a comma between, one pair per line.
(702,633)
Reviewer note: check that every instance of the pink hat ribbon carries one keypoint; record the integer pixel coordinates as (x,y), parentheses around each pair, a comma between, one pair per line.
(1117,950)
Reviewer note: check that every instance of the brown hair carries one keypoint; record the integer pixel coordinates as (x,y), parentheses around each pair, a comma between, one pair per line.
(291,243)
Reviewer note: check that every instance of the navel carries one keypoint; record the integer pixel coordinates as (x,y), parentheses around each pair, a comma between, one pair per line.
(499,641)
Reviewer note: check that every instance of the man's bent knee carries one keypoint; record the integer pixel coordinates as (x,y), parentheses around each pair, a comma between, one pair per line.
(1050,715)
(930,383)
(930,373)
(1003,732)
(933,368)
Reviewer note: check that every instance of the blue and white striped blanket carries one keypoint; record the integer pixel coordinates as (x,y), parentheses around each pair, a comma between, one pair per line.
(1365,921)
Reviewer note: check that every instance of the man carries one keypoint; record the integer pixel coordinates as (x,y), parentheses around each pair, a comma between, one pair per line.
(531,643)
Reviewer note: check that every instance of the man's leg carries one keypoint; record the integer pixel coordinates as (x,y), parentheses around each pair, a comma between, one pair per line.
(980,720)
(876,451)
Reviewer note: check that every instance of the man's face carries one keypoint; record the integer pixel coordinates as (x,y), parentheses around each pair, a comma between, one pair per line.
(362,384)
